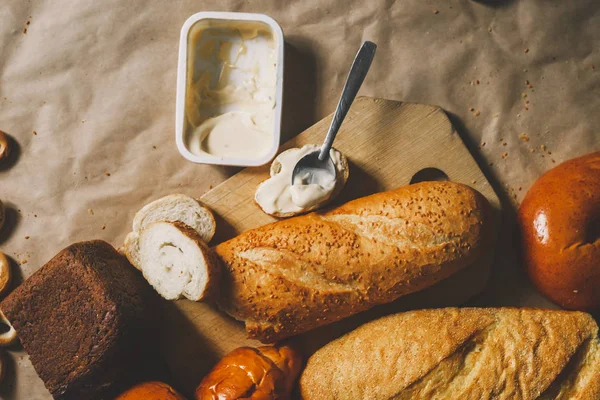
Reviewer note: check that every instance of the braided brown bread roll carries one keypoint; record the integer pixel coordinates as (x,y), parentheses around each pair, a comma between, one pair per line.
(263,373)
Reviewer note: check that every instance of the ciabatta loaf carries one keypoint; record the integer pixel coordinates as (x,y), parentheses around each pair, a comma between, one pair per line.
(294,275)
(461,354)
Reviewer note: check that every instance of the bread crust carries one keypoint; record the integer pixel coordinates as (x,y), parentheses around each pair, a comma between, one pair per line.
(469,353)
(559,222)
(131,249)
(295,275)
(139,221)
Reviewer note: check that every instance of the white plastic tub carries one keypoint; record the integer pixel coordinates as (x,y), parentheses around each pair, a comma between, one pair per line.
(229,88)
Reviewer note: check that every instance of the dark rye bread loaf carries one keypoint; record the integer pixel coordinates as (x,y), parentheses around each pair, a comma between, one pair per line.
(81,318)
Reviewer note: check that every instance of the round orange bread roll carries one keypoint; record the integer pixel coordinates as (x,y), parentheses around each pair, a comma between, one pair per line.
(150,391)
(263,373)
(559,222)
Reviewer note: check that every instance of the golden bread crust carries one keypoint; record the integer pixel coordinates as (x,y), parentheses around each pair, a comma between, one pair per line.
(294,275)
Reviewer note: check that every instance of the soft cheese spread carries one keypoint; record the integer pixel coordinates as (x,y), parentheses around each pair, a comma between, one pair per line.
(306,195)
(231,89)
(277,195)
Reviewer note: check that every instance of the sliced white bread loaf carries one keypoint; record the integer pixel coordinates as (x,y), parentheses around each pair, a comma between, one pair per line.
(171,208)
(176,262)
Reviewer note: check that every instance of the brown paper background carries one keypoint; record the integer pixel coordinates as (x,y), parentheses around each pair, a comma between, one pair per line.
(96,81)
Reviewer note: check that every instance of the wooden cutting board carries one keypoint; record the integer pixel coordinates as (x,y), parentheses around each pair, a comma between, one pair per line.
(389,144)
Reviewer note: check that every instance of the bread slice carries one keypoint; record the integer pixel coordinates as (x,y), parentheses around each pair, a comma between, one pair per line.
(177,207)
(131,249)
(343,172)
(171,208)
(468,353)
(175,261)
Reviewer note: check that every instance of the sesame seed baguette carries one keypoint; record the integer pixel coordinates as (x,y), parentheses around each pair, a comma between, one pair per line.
(295,275)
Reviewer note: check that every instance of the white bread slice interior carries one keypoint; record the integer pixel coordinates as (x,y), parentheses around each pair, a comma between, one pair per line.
(176,262)
(171,208)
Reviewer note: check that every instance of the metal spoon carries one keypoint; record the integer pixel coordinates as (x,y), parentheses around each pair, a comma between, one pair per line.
(313,165)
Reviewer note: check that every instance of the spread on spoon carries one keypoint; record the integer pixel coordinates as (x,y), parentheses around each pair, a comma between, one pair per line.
(278,197)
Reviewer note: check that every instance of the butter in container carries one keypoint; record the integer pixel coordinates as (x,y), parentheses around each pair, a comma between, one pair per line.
(229,88)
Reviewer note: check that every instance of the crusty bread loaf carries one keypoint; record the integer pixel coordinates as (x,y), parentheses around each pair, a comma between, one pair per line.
(176,262)
(294,275)
(83,318)
(170,208)
(461,354)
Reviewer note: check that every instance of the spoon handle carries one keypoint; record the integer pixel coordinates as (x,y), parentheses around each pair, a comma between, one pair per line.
(357,75)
